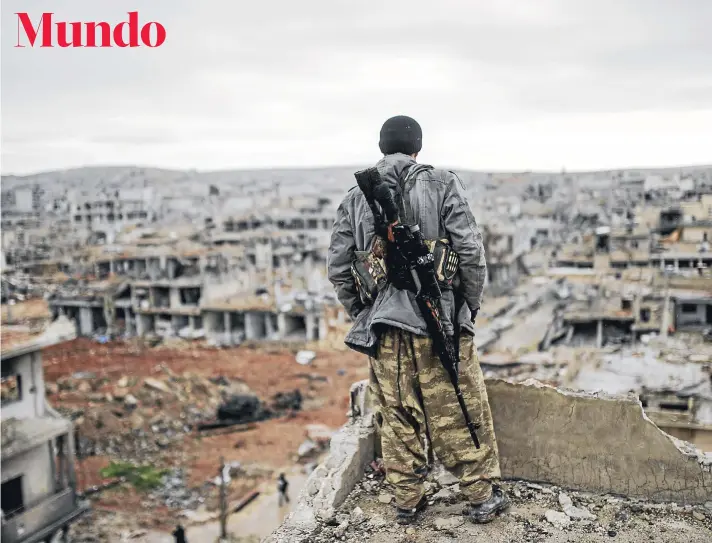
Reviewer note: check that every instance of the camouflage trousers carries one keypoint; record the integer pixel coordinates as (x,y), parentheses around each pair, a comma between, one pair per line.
(413,398)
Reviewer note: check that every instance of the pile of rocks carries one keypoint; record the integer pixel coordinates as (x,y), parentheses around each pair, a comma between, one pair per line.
(175,494)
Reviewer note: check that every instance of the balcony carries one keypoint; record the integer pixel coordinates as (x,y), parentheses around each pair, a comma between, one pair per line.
(36,523)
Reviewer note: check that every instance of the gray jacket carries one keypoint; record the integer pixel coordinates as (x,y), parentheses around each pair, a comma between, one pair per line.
(439,206)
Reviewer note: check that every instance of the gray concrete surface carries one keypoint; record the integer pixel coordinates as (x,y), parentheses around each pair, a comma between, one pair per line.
(595,443)
(352,448)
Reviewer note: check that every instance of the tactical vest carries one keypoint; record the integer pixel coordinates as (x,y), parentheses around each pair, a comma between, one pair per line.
(373,270)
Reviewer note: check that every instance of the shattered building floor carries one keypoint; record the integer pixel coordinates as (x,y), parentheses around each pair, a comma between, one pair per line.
(538,514)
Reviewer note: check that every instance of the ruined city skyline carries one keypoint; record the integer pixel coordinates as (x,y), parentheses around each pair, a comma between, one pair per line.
(200,304)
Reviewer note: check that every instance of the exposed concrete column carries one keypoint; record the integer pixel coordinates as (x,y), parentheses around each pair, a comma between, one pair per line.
(308,267)
(130,324)
(281,324)
(71,475)
(171,269)
(86,321)
(140,325)
(62,471)
(174,297)
(311,326)
(599,334)
(228,327)
(112,267)
(323,331)
(252,326)
(191,322)
(269,326)
(175,323)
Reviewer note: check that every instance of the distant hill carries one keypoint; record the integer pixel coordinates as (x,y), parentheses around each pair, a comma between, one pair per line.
(328,179)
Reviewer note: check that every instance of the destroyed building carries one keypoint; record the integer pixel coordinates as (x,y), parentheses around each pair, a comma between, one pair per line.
(39,495)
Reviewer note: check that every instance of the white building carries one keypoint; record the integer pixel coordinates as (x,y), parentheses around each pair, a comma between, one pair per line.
(39,497)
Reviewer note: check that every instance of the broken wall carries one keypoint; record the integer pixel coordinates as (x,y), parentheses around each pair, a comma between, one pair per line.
(593,443)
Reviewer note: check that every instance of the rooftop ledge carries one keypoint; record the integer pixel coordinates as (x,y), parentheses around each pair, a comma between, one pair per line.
(596,447)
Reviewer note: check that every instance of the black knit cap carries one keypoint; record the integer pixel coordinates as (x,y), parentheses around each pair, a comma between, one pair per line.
(401,134)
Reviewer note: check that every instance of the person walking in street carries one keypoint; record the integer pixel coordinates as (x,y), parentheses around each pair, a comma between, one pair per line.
(179,534)
(282,486)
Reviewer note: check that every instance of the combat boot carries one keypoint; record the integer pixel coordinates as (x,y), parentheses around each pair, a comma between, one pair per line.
(486,511)
(408,516)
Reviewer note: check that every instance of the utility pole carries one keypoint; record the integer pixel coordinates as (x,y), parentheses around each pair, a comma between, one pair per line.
(666,307)
(223,501)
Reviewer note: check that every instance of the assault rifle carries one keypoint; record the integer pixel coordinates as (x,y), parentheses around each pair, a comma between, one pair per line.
(409,244)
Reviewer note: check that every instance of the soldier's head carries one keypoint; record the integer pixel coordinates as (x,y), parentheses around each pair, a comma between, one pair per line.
(401,134)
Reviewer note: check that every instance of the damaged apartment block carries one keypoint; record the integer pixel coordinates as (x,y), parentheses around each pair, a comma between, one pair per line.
(39,496)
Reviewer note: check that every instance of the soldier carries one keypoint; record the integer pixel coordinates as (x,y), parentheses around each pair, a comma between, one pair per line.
(414,396)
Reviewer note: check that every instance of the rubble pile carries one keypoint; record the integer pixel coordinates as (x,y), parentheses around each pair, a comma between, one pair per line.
(137,418)
(175,494)
(538,514)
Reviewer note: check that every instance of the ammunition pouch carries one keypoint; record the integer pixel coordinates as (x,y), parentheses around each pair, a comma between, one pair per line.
(370,275)
(447,261)
(372,272)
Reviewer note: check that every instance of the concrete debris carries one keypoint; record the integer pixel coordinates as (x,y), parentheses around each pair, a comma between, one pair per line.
(307,449)
(447,524)
(444,477)
(444,494)
(385,498)
(155,384)
(326,515)
(576,513)
(305,357)
(557,519)
(341,529)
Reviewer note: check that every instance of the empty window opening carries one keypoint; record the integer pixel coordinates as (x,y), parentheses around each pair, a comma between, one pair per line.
(161,297)
(190,296)
(688,308)
(12,498)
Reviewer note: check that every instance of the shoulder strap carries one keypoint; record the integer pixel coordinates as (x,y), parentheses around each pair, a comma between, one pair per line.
(405,184)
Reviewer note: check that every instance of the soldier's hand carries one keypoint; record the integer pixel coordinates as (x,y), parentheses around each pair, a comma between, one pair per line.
(473,315)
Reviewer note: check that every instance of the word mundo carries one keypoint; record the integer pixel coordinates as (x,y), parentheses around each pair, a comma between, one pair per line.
(47,33)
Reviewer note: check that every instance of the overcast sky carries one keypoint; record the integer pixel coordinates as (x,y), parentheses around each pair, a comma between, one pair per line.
(495,84)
